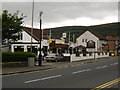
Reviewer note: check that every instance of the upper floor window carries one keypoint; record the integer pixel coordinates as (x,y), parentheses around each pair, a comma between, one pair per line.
(82,40)
(20,37)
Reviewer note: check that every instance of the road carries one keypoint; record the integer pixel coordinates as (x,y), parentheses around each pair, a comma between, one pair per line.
(80,76)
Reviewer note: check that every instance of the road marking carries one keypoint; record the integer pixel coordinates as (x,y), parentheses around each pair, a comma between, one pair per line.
(78,71)
(114,64)
(66,66)
(104,66)
(101,67)
(82,71)
(88,69)
(107,84)
(60,67)
(43,79)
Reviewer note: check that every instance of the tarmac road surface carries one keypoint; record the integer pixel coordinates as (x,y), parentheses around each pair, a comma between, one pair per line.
(102,74)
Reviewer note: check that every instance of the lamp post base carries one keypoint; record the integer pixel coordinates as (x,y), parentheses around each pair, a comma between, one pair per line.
(40,60)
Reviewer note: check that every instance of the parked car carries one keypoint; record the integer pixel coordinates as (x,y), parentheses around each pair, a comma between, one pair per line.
(111,53)
(53,57)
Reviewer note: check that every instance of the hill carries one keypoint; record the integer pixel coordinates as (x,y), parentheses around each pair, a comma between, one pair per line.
(103,29)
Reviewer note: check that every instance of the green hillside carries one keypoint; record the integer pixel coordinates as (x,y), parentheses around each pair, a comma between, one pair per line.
(103,29)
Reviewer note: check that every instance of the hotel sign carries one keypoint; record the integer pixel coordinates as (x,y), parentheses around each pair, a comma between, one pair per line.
(57,41)
(90,44)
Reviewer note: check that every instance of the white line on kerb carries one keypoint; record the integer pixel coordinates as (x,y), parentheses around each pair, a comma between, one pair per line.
(42,79)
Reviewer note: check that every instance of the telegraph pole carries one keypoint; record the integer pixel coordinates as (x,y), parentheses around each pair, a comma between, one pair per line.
(69,38)
(50,35)
(69,43)
(32,23)
(73,38)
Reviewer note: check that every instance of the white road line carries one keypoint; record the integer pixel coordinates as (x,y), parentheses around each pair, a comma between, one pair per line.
(104,66)
(82,71)
(114,64)
(78,71)
(66,66)
(101,67)
(88,69)
(42,79)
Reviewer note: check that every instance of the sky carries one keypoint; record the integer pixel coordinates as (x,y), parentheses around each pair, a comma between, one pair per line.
(57,13)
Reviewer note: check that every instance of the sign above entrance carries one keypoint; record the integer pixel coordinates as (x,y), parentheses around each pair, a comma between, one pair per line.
(90,44)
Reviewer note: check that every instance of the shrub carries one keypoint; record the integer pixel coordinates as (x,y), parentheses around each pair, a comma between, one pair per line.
(16,56)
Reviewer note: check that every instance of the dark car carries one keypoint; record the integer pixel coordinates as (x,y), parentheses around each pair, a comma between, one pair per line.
(53,57)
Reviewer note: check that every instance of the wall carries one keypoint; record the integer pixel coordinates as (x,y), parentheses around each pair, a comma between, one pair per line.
(5,49)
(26,38)
(112,45)
(100,44)
(73,57)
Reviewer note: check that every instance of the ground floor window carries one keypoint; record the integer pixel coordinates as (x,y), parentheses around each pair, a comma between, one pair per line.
(34,49)
(18,48)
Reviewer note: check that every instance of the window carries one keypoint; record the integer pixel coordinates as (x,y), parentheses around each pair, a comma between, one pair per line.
(90,54)
(20,37)
(85,40)
(82,40)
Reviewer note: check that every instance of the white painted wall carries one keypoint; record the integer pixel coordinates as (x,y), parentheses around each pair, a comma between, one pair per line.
(93,56)
(26,38)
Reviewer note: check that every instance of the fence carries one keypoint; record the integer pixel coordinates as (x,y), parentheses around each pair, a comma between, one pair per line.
(78,57)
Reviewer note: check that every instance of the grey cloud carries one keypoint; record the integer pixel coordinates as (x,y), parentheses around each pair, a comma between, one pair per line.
(59,11)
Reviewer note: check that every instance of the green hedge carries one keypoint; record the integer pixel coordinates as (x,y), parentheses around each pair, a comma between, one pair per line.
(16,56)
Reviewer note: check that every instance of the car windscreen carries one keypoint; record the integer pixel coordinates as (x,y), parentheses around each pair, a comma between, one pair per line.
(51,55)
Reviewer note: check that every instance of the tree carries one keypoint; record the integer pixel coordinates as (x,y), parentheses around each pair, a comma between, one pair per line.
(11,26)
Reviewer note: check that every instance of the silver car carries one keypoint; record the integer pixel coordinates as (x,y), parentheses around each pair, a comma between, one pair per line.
(53,57)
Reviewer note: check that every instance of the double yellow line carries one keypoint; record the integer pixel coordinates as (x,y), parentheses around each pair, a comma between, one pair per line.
(107,84)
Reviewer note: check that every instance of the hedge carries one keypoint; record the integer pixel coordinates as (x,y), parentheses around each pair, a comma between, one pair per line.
(16,56)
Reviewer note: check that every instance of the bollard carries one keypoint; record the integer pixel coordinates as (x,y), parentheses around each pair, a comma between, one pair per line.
(31,61)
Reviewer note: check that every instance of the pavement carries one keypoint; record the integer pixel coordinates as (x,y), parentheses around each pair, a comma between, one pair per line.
(47,65)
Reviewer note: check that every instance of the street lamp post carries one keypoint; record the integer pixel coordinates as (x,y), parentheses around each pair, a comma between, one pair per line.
(40,55)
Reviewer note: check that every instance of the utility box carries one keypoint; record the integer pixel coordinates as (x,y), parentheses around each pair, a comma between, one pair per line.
(31,62)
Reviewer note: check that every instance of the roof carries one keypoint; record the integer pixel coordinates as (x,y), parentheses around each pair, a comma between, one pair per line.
(96,34)
(110,38)
(35,34)
(117,38)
